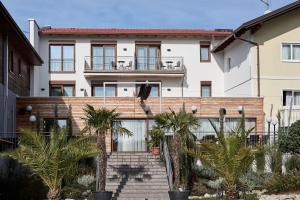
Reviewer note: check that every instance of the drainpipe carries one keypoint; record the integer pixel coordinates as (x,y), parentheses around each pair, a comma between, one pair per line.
(258,60)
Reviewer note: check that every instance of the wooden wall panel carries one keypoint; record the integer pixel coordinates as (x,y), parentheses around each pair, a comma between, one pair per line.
(130,108)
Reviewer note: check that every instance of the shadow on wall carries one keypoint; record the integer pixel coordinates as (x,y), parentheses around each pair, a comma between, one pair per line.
(16,182)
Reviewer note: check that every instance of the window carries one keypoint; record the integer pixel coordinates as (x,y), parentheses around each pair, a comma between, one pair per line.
(62,58)
(62,90)
(290,96)
(205,88)
(204,51)
(229,63)
(290,52)
(52,123)
(103,57)
(19,66)
(110,90)
(206,131)
(147,57)
(154,90)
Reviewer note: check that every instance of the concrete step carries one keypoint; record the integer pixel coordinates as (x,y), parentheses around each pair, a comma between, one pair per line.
(120,198)
(143,195)
(139,183)
(143,175)
(138,187)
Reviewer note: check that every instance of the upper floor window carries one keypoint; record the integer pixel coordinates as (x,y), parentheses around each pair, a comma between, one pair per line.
(147,55)
(62,89)
(62,58)
(291,96)
(98,90)
(103,57)
(204,51)
(205,88)
(290,52)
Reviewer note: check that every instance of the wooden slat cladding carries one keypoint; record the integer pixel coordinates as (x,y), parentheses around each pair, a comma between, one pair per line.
(131,108)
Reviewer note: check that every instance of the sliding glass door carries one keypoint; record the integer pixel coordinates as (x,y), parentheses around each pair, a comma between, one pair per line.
(147,57)
(135,142)
(103,57)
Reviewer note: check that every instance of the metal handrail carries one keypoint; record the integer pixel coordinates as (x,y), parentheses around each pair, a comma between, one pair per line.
(168,161)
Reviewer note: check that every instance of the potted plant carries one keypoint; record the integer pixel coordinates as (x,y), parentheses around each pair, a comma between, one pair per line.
(99,122)
(180,124)
(156,136)
(51,160)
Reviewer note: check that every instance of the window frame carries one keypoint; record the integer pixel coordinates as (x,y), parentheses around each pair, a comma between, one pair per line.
(11,61)
(293,95)
(101,85)
(68,120)
(148,45)
(291,51)
(205,44)
(62,57)
(206,83)
(56,85)
(152,85)
(103,45)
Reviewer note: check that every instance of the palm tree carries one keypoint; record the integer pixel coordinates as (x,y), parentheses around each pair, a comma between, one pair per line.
(180,124)
(101,121)
(229,157)
(52,160)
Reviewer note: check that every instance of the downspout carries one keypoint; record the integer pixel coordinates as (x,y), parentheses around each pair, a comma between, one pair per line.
(258,60)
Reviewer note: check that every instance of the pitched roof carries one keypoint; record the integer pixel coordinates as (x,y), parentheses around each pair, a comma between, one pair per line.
(19,36)
(120,31)
(254,23)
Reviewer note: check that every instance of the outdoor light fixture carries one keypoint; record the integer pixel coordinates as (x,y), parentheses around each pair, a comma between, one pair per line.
(32,118)
(269,120)
(194,109)
(274,122)
(241,109)
(29,108)
(147,109)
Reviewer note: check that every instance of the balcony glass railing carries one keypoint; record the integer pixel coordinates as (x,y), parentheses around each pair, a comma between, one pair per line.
(123,63)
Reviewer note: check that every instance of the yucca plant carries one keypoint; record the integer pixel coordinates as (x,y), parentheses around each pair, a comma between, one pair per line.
(52,160)
(99,122)
(180,124)
(229,157)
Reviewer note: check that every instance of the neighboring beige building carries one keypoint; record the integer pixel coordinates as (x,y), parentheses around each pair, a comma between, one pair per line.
(277,35)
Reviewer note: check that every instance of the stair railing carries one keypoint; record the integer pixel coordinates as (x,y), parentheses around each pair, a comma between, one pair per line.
(167,157)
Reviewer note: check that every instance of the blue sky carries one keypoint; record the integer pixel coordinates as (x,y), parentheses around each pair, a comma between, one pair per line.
(204,14)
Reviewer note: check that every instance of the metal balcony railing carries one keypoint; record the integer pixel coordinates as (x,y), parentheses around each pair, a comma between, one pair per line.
(133,64)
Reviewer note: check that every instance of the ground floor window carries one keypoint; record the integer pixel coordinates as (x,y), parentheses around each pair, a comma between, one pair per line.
(110,90)
(52,123)
(62,90)
(206,131)
(135,142)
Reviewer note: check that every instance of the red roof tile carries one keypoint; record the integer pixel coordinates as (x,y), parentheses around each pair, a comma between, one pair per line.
(117,31)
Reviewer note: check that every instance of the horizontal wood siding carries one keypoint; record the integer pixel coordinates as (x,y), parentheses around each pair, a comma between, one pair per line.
(130,108)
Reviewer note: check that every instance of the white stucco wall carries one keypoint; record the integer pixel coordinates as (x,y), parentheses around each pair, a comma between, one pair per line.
(189,49)
(237,78)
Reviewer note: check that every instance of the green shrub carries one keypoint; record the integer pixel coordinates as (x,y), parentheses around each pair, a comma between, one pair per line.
(289,141)
(293,163)
(283,183)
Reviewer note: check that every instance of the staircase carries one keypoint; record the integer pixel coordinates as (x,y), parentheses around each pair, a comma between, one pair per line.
(136,176)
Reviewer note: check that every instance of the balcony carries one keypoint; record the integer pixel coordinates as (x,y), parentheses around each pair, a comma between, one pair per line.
(133,66)
(289,116)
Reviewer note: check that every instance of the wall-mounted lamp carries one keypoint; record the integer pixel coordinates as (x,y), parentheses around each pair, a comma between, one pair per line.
(42,89)
(29,108)
(194,109)
(82,89)
(241,109)
(147,109)
(32,118)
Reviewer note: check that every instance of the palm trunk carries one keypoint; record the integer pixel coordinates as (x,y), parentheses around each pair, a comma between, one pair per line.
(231,192)
(53,194)
(176,160)
(102,161)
